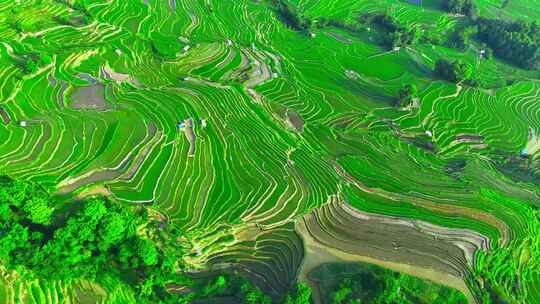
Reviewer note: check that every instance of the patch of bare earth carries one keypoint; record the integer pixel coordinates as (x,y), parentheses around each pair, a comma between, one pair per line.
(190,135)
(338,37)
(89,98)
(5,117)
(99,190)
(336,233)
(295,120)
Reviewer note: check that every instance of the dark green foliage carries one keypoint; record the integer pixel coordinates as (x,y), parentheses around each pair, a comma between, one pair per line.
(253,295)
(30,66)
(98,238)
(465,7)
(217,286)
(517,42)
(79,6)
(486,52)
(234,288)
(147,252)
(290,17)
(25,201)
(39,210)
(78,248)
(16,25)
(165,46)
(344,294)
(406,94)
(77,20)
(461,37)
(300,294)
(452,71)
(31,62)
(520,168)
(363,283)
(397,34)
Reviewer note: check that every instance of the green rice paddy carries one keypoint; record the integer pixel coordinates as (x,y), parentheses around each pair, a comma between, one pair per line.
(234,127)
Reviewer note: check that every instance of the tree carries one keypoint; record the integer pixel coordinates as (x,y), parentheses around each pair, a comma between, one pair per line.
(26,199)
(406,94)
(112,230)
(461,37)
(515,41)
(290,17)
(341,295)
(95,241)
(147,252)
(397,34)
(216,286)
(253,295)
(301,294)
(463,70)
(39,210)
(404,37)
(30,66)
(465,7)
(5,214)
(455,71)
(165,46)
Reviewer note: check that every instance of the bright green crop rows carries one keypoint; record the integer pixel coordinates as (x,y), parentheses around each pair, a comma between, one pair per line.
(238,72)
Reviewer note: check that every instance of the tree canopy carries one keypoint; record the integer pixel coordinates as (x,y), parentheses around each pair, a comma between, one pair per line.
(94,238)
(452,71)
(465,7)
(363,283)
(517,42)
(406,94)
(99,239)
(397,34)
(291,18)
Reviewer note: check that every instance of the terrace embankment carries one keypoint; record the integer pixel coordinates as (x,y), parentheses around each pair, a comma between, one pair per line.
(46,132)
(125,170)
(269,257)
(98,190)
(443,208)
(337,233)
(340,38)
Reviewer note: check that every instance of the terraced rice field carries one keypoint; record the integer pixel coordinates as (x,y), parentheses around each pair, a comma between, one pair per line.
(274,151)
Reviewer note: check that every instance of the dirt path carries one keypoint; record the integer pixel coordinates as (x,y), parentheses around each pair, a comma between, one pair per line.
(295,120)
(190,135)
(340,38)
(92,191)
(5,117)
(172,5)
